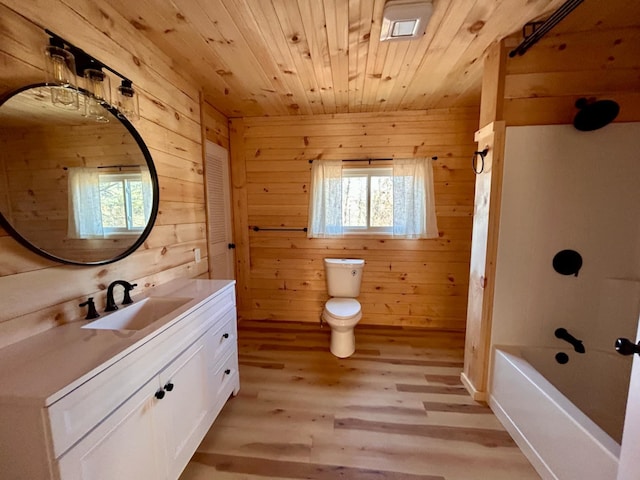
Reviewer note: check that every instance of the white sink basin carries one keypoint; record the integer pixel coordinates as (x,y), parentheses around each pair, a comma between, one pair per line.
(138,315)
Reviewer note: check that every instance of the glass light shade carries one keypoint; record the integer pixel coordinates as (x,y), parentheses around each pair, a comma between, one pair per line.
(61,75)
(61,67)
(98,85)
(128,101)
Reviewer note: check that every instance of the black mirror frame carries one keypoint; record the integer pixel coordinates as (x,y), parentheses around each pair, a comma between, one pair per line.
(154,185)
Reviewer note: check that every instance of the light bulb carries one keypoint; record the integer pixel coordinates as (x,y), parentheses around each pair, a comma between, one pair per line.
(98,85)
(61,66)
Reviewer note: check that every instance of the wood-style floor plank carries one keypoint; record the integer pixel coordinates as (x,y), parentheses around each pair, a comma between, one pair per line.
(395,410)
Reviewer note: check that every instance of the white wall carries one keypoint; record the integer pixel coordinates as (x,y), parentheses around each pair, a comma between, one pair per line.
(566,189)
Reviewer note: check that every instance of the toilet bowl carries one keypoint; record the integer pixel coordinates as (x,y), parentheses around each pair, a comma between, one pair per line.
(342,315)
(343,311)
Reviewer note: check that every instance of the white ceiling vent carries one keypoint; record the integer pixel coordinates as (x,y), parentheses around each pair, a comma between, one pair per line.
(405,19)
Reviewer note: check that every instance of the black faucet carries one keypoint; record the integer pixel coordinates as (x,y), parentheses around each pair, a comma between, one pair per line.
(111,304)
(562,334)
(91,312)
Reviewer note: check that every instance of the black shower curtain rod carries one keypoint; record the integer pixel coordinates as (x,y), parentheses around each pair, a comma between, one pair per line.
(540,29)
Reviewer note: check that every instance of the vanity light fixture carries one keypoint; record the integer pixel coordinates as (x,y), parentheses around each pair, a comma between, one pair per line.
(66,62)
(405,19)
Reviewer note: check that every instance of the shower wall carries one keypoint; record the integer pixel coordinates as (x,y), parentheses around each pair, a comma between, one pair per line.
(565,189)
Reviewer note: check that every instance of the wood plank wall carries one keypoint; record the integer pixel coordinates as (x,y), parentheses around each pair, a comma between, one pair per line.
(214,124)
(406,282)
(38,294)
(542,86)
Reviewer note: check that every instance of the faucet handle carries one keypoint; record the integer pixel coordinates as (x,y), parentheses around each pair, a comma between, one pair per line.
(127,297)
(91,313)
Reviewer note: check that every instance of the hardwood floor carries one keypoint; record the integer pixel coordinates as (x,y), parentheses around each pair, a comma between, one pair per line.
(395,410)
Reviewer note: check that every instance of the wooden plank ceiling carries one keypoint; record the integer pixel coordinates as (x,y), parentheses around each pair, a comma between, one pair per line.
(288,57)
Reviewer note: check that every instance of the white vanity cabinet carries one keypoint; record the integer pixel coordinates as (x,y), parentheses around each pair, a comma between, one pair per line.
(182,377)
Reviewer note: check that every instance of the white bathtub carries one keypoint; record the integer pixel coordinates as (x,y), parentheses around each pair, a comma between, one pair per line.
(552,428)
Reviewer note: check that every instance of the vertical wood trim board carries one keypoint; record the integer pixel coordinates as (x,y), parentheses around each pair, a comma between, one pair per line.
(406,282)
(486,225)
(38,294)
(239,211)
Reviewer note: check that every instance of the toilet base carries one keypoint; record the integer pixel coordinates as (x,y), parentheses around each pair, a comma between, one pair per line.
(343,344)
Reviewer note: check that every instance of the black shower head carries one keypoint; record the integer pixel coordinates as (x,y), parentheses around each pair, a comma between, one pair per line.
(594,114)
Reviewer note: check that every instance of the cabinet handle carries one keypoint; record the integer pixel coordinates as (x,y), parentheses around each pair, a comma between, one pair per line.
(227,371)
(160,394)
(168,387)
(226,335)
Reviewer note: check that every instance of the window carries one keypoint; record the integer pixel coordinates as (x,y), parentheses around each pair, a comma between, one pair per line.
(122,202)
(396,200)
(108,204)
(367,200)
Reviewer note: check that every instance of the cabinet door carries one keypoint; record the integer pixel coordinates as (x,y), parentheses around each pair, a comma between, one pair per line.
(184,409)
(127,445)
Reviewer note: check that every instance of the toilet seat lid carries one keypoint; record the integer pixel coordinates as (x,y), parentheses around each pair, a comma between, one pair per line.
(343,307)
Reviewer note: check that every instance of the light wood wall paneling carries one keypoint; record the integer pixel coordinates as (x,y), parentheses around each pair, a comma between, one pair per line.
(409,282)
(171,127)
(542,86)
(215,124)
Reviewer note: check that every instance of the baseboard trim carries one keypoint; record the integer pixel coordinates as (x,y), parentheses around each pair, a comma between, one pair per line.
(477,395)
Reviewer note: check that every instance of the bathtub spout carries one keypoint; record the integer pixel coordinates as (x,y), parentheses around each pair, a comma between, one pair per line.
(562,334)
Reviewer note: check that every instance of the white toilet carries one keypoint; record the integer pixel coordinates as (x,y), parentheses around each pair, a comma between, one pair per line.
(343,312)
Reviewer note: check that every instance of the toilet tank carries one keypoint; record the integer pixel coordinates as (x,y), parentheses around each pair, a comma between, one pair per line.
(344,276)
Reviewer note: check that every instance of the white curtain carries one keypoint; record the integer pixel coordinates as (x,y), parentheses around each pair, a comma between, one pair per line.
(325,204)
(85,215)
(414,213)
(414,210)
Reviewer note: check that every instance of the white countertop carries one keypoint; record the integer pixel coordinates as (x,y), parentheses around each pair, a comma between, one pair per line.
(38,369)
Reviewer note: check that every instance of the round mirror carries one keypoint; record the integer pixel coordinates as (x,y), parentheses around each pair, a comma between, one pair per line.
(73,189)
